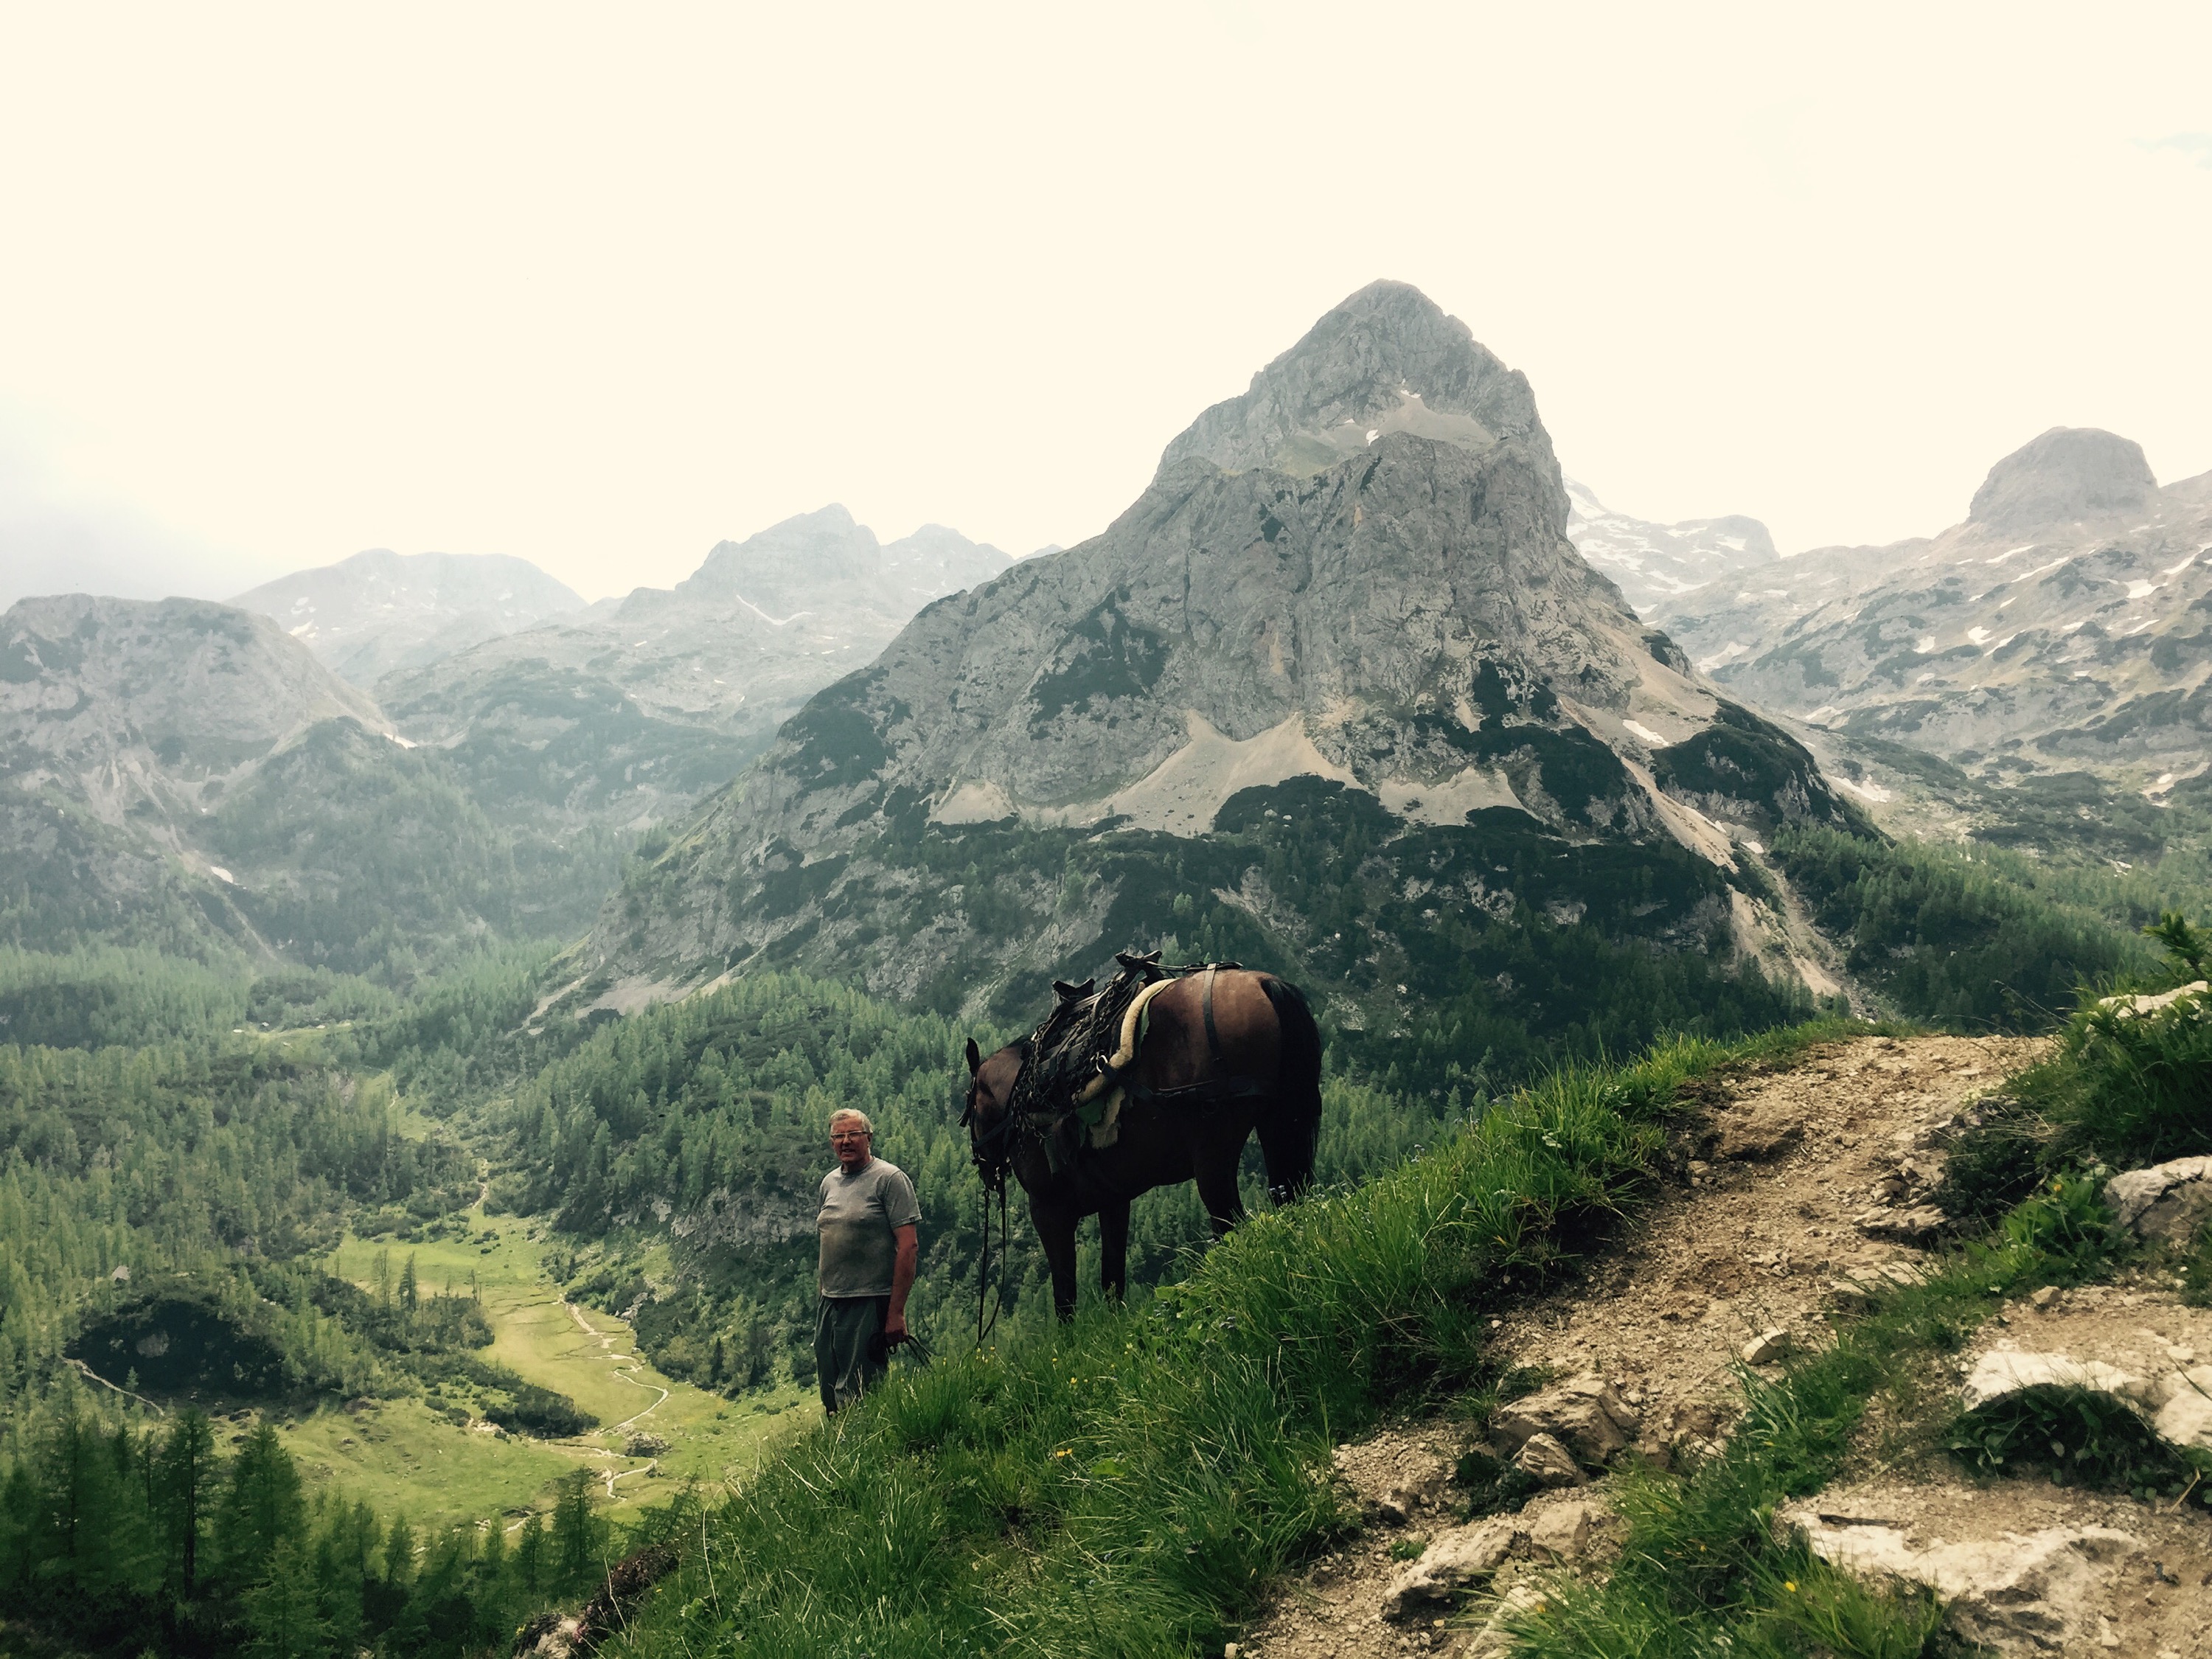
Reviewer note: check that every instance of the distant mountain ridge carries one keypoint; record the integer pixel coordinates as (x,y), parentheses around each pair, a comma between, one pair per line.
(197,775)
(1353,579)
(2067,620)
(628,713)
(380,611)
(185,773)
(1657,566)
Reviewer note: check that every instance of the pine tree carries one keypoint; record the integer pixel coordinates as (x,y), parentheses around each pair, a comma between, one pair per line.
(282,1610)
(77,1475)
(575,1531)
(261,1506)
(19,1506)
(530,1556)
(399,1554)
(186,1486)
(409,1296)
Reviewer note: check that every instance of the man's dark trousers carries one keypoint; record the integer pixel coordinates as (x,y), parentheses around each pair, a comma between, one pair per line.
(850,1353)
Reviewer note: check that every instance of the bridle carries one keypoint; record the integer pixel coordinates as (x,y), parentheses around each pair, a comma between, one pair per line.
(993,1150)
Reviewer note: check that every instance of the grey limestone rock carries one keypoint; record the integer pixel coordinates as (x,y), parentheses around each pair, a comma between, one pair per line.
(1544,1460)
(2065,474)
(1584,1412)
(1356,573)
(1454,1563)
(2168,1201)
(2040,1593)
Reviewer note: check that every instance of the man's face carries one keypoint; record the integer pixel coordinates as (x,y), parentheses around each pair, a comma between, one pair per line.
(850,1143)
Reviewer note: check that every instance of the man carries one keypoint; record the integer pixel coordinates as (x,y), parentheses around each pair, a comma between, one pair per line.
(871,1229)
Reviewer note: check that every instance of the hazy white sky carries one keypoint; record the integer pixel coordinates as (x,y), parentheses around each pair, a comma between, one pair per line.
(597,286)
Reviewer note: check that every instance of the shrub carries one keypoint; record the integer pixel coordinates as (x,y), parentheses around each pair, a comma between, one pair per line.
(2066,1222)
(2136,1088)
(2078,1437)
(1994,1165)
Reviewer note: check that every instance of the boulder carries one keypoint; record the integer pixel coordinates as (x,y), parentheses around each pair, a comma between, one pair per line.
(1584,1413)
(1768,1346)
(2167,1201)
(2141,1007)
(2184,1408)
(1544,1459)
(2033,1593)
(1562,1532)
(2008,1371)
(1454,1562)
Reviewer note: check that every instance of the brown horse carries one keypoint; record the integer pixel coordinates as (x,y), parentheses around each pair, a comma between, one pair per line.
(1225,1054)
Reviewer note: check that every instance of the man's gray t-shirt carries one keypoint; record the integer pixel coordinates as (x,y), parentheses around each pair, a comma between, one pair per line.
(857,1214)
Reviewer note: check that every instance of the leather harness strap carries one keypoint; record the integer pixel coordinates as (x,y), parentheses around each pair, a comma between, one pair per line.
(1205,1008)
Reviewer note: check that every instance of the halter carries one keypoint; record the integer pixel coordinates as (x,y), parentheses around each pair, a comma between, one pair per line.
(993,1149)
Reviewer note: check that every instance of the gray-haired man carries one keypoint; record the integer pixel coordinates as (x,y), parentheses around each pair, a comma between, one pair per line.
(871,1229)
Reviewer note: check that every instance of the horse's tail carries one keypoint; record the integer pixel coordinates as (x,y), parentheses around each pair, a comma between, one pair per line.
(1289,1130)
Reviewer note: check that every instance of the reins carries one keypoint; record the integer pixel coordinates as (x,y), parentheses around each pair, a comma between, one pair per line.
(994,1155)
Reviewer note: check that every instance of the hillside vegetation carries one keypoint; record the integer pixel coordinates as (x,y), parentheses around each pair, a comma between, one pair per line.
(218,1130)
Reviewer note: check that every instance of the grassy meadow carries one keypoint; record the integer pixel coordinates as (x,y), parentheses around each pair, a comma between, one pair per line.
(405,1456)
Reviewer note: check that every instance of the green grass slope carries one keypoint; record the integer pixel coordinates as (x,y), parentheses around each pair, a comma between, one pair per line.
(1126,1484)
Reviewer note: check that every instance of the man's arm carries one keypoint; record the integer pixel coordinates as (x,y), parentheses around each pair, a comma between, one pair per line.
(909,1239)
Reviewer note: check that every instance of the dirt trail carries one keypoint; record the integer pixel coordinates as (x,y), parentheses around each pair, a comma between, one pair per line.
(622,1371)
(1804,1181)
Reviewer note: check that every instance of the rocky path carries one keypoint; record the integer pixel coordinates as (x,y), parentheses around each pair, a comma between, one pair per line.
(1803,1185)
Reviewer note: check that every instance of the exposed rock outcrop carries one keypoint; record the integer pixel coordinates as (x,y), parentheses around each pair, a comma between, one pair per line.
(2069,473)
(1356,574)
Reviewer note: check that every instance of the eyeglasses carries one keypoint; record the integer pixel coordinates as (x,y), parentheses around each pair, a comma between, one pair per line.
(848,1134)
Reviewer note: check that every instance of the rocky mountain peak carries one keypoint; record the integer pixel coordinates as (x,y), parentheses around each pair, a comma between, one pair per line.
(771,566)
(825,558)
(1303,608)
(1387,359)
(1656,566)
(380,610)
(2069,473)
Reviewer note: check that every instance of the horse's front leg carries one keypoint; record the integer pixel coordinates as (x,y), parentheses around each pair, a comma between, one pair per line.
(1114,1248)
(1056,1233)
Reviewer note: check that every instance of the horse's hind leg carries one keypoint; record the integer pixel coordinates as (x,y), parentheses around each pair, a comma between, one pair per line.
(1114,1248)
(1056,1233)
(1216,1187)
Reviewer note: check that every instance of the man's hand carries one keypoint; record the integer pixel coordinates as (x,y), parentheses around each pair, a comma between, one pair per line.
(909,1242)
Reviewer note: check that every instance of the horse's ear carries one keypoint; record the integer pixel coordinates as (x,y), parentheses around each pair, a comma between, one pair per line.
(975,1057)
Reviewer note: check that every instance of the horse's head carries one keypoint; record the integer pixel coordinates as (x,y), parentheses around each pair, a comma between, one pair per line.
(989,1118)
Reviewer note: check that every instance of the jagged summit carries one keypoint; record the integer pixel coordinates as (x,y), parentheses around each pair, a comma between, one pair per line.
(1389,359)
(2069,473)
(1388,612)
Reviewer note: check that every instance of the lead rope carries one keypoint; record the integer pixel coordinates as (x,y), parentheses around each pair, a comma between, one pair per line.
(984,1329)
